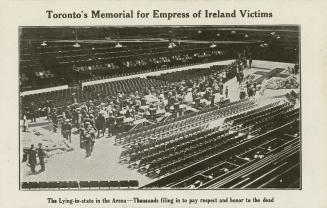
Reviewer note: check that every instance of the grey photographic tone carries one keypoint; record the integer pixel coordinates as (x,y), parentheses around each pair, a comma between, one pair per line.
(160,107)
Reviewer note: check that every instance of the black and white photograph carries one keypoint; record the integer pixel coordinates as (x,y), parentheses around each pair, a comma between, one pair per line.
(160,107)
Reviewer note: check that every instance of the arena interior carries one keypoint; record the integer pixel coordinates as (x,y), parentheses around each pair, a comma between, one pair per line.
(180,107)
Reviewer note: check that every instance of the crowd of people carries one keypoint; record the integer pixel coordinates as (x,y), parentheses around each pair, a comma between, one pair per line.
(115,114)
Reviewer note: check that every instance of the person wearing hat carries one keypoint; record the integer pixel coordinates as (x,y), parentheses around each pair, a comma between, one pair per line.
(75,117)
(88,120)
(242,93)
(87,144)
(90,130)
(67,130)
(100,124)
(41,154)
(82,131)
(25,123)
(63,129)
(89,136)
(54,120)
(32,158)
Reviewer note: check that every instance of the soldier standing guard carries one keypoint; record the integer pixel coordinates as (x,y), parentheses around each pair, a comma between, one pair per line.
(41,154)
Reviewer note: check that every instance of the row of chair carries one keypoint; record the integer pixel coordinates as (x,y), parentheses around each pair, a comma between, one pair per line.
(233,119)
(152,146)
(191,74)
(202,152)
(155,148)
(79,185)
(174,147)
(221,165)
(158,132)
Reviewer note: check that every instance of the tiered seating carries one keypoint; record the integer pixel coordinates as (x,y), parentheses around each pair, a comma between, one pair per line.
(239,117)
(274,120)
(61,98)
(145,147)
(192,150)
(189,121)
(276,156)
(125,86)
(139,63)
(227,167)
(97,62)
(57,97)
(266,117)
(191,74)
(127,54)
(227,72)
(32,70)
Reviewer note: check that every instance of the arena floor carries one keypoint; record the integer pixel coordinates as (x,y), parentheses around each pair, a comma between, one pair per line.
(104,163)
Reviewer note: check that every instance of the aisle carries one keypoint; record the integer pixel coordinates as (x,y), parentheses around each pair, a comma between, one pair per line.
(71,166)
(103,164)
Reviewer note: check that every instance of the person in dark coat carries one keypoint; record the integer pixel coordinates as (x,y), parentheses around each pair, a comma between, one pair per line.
(54,119)
(32,158)
(75,118)
(66,130)
(33,108)
(250,63)
(41,154)
(87,144)
(69,130)
(242,94)
(91,131)
(82,136)
(100,124)
(89,140)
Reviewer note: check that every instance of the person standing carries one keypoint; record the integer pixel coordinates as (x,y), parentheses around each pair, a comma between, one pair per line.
(32,158)
(89,140)
(226,91)
(82,136)
(66,130)
(76,118)
(69,130)
(33,108)
(212,100)
(100,124)
(250,63)
(54,120)
(41,154)
(88,143)
(91,131)
(25,123)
